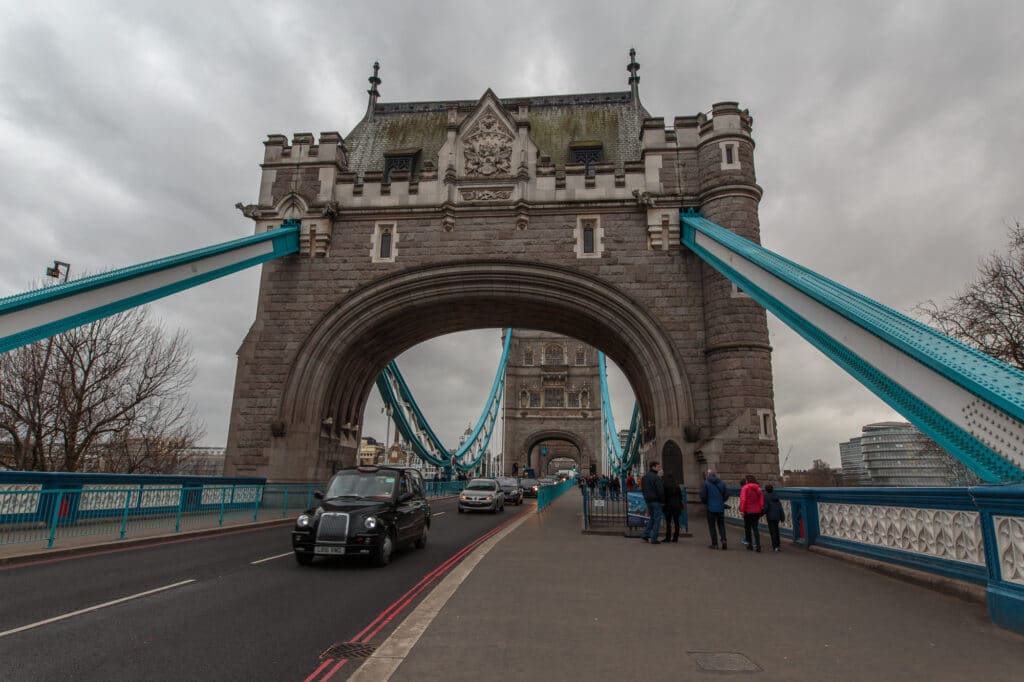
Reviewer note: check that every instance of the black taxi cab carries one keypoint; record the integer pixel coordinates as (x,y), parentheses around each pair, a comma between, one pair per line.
(366,511)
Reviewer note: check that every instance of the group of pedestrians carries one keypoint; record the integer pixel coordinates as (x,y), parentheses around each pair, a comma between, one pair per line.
(754,503)
(603,486)
(664,498)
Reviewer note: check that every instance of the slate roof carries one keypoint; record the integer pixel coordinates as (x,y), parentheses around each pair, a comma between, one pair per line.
(556,121)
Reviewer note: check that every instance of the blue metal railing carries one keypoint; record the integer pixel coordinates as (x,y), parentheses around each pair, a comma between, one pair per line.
(972,534)
(33,515)
(547,494)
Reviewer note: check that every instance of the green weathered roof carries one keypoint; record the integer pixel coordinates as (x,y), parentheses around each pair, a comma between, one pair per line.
(556,122)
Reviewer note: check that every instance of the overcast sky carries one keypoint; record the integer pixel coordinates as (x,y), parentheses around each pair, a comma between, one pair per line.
(888,139)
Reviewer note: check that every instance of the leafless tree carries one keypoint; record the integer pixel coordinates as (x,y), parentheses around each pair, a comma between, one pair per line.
(988,313)
(113,391)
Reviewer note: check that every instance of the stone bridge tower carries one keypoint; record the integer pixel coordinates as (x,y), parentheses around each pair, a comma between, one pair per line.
(557,213)
(552,400)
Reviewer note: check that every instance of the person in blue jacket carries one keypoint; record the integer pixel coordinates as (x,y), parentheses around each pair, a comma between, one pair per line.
(713,494)
(654,495)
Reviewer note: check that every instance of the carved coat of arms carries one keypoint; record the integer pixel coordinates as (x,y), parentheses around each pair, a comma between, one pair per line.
(488,149)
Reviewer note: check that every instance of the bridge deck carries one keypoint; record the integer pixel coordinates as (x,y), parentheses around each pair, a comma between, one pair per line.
(550,603)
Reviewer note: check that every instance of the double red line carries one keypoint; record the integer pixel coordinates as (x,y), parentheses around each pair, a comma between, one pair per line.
(332,665)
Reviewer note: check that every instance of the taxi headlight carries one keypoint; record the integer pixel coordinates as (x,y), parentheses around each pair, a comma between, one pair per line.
(304,521)
(370,523)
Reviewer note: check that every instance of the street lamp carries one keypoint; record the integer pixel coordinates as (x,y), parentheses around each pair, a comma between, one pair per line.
(60,270)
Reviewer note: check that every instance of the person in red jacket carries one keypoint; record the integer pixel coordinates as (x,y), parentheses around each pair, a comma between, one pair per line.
(751,506)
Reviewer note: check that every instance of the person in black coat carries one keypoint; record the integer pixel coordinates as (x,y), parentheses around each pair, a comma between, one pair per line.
(773,514)
(673,508)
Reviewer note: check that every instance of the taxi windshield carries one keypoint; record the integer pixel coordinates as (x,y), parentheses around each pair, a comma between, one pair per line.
(378,485)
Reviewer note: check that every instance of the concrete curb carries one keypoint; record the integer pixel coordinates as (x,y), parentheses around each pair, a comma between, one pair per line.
(380,666)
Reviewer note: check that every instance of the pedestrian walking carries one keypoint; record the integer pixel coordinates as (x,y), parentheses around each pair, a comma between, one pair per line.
(773,514)
(615,485)
(751,506)
(630,482)
(713,495)
(673,508)
(654,495)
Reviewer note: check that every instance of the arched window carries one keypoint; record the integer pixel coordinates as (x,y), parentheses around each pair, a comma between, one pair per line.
(524,398)
(581,357)
(585,398)
(554,355)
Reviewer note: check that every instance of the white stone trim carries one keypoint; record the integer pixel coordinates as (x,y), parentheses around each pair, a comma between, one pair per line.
(943,533)
(765,424)
(598,236)
(735,146)
(378,230)
(737,292)
(1010,547)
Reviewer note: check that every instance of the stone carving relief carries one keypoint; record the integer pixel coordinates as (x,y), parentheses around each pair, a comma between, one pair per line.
(1010,544)
(488,148)
(942,533)
(485,194)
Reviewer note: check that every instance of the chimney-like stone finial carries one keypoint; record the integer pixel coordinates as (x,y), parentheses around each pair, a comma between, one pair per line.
(373,92)
(634,79)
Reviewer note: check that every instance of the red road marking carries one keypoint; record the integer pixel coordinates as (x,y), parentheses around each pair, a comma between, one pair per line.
(388,614)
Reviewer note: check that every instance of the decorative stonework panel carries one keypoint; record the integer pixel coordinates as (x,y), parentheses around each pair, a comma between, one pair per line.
(19,498)
(488,148)
(160,497)
(214,494)
(733,512)
(486,193)
(246,494)
(97,497)
(1010,545)
(942,533)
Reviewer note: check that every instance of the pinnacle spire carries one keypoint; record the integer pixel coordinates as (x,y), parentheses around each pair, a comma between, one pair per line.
(634,79)
(373,92)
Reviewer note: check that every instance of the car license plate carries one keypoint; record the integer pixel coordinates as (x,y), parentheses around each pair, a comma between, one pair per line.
(329,550)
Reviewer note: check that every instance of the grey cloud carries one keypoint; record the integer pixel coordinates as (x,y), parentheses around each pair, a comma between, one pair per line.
(887,144)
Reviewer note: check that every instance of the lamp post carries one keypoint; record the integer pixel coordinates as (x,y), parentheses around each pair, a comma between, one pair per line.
(60,270)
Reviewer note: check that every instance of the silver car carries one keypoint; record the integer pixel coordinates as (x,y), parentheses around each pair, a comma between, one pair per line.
(482,494)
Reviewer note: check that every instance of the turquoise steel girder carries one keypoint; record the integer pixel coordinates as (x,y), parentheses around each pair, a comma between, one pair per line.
(414,427)
(38,314)
(620,457)
(995,388)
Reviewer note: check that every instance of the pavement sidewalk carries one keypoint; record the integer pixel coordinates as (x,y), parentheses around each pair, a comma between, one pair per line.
(547,602)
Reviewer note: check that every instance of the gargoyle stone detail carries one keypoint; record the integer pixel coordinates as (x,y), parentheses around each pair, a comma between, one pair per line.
(488,148)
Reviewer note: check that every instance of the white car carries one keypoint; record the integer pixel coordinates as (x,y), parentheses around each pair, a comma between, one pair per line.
(482,494)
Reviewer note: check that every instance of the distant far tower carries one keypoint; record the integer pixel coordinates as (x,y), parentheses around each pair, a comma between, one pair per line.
(552,403)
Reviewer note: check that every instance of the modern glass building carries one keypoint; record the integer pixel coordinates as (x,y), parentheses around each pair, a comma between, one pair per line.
(897,454)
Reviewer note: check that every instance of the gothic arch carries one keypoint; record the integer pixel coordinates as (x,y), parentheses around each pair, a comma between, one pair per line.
(335,368)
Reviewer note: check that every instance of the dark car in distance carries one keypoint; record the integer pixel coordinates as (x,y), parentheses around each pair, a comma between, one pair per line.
(513,491)
(366,511)
(530,486)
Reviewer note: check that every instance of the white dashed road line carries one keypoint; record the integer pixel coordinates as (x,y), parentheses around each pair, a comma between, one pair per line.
(94,608)
(270,558)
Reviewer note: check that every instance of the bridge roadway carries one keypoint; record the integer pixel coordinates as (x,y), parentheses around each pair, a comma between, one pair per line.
(543,602)
(237,620)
